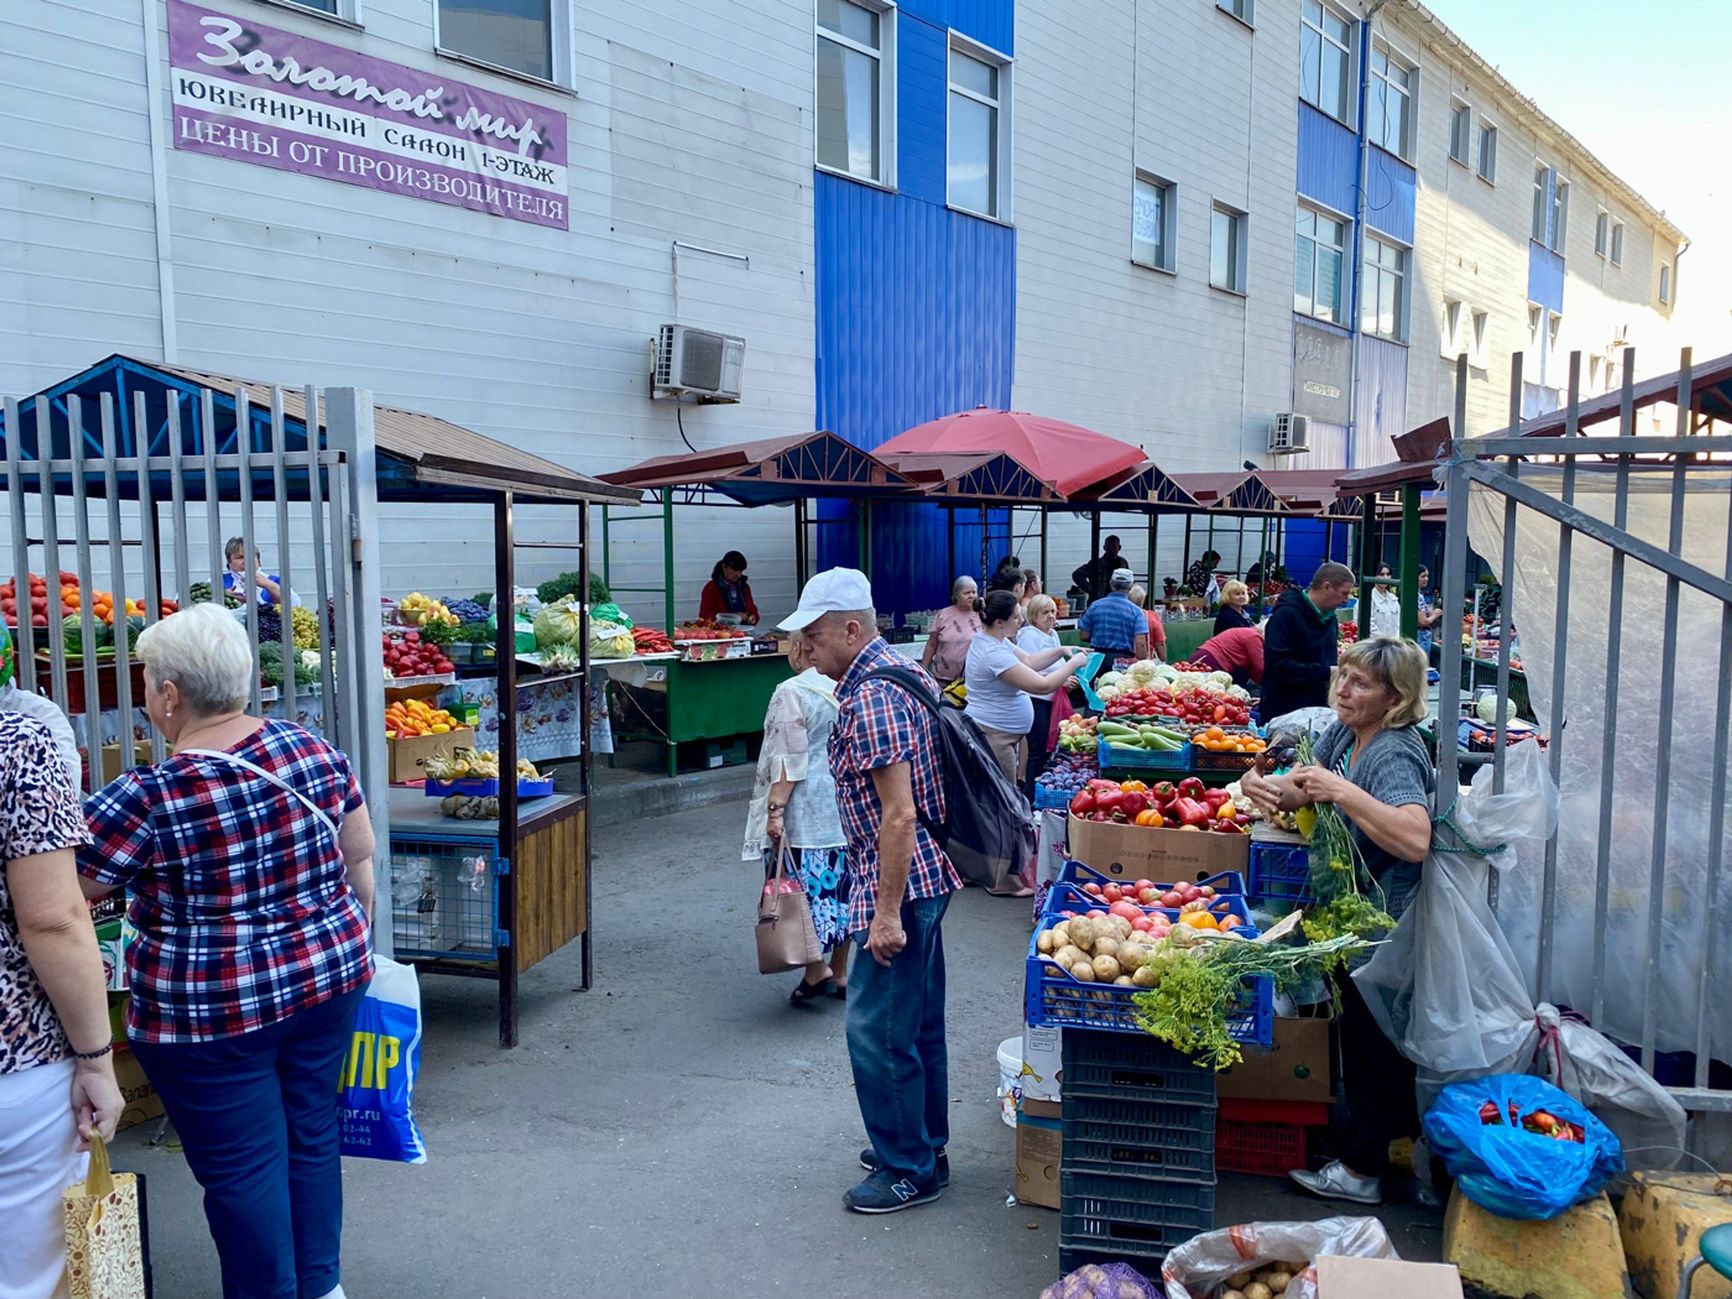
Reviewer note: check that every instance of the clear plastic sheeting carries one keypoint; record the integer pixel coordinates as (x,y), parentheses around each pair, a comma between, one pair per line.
(1644,992)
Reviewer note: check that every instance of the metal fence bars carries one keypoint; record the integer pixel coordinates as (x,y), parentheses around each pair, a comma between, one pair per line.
(1615,554)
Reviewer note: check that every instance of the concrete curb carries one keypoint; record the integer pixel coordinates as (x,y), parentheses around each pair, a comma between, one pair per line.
(623,796)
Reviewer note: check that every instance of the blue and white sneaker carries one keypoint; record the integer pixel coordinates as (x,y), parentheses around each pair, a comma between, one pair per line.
(881,1193)
(869,1161)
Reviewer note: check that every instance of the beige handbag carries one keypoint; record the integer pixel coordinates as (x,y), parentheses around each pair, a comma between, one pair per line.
(787,939)
(104,1240)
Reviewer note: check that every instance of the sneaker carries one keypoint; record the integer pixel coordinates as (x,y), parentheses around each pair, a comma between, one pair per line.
(869,1161)
(1334,1182)
(878,1194)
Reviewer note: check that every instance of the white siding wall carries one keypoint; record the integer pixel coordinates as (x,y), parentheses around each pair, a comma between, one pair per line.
(1189,372)
(695,128)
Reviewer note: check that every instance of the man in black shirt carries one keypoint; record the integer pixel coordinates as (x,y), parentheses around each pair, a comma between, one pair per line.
(1095,577)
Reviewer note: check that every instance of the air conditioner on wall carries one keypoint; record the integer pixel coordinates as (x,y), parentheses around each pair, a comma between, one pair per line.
(697,364)
(1289,434)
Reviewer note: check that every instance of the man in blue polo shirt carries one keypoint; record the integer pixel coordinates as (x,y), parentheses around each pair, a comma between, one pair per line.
(1113,625)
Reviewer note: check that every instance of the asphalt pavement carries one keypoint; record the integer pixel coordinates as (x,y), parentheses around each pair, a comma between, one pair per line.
(681,1130)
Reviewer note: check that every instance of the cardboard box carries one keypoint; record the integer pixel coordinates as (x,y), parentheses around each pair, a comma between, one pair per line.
(1137,852)
(1039,1152)
(1378,1278)
(1295,1068)
(1042,1062)
(409,755)
(142,1102)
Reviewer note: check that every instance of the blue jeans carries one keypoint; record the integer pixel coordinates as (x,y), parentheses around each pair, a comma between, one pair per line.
(896,1045)
(257,1116)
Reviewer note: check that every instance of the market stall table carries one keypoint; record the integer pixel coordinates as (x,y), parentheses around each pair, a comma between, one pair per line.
(459,906)
(704,702)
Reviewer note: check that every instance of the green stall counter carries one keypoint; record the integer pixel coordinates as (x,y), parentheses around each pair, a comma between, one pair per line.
(700,702)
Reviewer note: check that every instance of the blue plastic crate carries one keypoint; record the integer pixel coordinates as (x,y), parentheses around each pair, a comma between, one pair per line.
(1065,896)
(1280,872)
(1121,758)
(1050,799)
(1075,872)
(486,788)
(1142,1138)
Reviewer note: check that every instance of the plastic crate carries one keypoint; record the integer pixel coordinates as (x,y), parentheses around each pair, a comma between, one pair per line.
(1280,871)
(1261,1149)
(1127,1217)
(1119,758)
(478,788)
(1075,872)
(1144,1138)
(1207,760)
(1105,1066)
(1046,800)
(1063,1002)
(1066,896)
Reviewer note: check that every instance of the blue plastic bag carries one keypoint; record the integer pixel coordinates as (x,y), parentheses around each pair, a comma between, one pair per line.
(378,1083)
(1508,1170)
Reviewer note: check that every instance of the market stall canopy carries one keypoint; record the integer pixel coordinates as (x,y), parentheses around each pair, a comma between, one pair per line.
(1418,452)
(420,457)
(1236,493)
(1306,491)
(977,477)
(1141,487)
(1066,456)
(770,471)
(1710,398)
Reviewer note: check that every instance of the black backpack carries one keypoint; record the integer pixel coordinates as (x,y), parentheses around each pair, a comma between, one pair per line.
(988,832)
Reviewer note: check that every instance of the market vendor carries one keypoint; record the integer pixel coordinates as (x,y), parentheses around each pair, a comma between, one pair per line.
(1237,651)
(727,591)
(1372,765)
(1094,579)
(1300,642)
(236,580)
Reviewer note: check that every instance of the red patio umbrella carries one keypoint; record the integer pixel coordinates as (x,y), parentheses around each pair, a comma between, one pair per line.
(1067,456)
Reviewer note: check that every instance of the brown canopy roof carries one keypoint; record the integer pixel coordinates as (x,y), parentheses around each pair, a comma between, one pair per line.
(769,471)
(1710,395)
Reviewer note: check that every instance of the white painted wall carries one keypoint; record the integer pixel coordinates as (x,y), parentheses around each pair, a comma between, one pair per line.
(695,127)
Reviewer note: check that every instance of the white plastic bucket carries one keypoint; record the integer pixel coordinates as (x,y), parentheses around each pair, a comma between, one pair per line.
(1009,1078)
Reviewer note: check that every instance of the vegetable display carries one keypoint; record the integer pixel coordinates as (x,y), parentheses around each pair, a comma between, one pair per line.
(271,665)
(1348,901)
(410,656)
(1216,740)
(405,719)
(559,624)
(1068,773)
(1187,805)
(417,610)
(1143,737)
(647,640)
(1076,733)
(1103,1281)
(474,764)
(1151,675)
(707,631)
(1195,706)
(1263,1283)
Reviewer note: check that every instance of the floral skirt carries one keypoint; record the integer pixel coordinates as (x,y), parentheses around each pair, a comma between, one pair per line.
(823,873)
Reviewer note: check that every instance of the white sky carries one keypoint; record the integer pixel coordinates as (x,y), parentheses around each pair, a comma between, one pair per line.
(1648,89)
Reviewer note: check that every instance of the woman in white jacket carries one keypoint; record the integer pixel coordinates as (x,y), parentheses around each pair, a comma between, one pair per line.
(1385,606)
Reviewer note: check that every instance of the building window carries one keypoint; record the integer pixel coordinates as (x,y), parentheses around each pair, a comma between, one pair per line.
(1617,243)
(1554,327)
(1318,242)
(1602,231)
(1383,290)
(1460,132)
(1665,283)
(1153,219)
(1535,314)
(1594,373)
(1389,101)
(1453,345)
(1227,249)
(1542,204)
(979,152)
(1560,212)
(512,34)
(1479,350)
(856,71)
(1487,152)
(1244,10)
(1326,60)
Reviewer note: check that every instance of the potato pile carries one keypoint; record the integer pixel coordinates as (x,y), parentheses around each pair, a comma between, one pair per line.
(1098,949)
(1263,1283)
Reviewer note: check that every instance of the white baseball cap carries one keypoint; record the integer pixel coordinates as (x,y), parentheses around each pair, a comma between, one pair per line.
(836,590)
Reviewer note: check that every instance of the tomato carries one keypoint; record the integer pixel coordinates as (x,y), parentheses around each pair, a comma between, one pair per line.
(1142,924)
(1126,909)
(1092,888)
(1172,898)
(1112,893)
(1144,884)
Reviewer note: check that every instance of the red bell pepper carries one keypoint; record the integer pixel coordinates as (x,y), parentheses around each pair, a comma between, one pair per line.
(1132,802)
(1191,787)
(1188,811)
(1164,794)
(1109,800)
(1083,803)
(1215,797)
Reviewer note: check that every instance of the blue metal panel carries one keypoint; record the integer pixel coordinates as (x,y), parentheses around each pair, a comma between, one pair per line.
(922,81)
(1389,194)
(991,22)
(1382,413)
(1328,160)
(1545,277)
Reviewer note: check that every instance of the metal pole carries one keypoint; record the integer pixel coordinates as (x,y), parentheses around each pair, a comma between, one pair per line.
(1094,542)
(1262,568)
(1045,575)
(1410,562)
(1716,828)
(508,869)
(667,560)
(1184,573)
(1506,620)
(76,442)
(586,952)
(1452,595)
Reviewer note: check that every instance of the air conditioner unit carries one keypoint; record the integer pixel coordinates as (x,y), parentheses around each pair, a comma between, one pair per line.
(1289,434)
(697,364)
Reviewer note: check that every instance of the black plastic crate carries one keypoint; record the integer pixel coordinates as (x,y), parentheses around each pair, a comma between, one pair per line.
(1132,1067)
(1146,1259)
(1131,1215)
(1142,1138)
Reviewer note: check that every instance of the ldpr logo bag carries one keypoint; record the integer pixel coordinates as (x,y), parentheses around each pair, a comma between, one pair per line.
(377,1089)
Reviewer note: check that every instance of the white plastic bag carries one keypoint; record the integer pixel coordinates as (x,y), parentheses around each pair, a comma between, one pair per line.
(1647,1120)
(1196,1268)
(1446,987)
(1303,721)
(376,1094)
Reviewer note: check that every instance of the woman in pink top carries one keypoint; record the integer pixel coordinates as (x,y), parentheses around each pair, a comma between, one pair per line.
(1238,650)
(953,631)
(1138,595)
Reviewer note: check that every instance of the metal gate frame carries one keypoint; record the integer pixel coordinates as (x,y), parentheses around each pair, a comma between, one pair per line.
(340,499)
(1495,463)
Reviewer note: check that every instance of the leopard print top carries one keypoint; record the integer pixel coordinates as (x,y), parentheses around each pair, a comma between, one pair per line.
(38,813)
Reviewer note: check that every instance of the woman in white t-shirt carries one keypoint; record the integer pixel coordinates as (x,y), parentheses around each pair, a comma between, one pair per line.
(1036,637)
(1001,678)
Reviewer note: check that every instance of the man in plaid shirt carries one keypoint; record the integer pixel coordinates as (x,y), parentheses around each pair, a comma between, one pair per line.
(885,758)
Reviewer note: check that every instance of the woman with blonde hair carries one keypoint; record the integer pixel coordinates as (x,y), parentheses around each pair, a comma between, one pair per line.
(1235,596)
(793,808)
(1372,764)
(1037,637)
(1139,596)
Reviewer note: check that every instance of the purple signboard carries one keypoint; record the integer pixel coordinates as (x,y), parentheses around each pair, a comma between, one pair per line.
(243,90)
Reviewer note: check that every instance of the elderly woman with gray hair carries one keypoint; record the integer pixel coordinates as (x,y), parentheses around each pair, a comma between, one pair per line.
(248,857)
